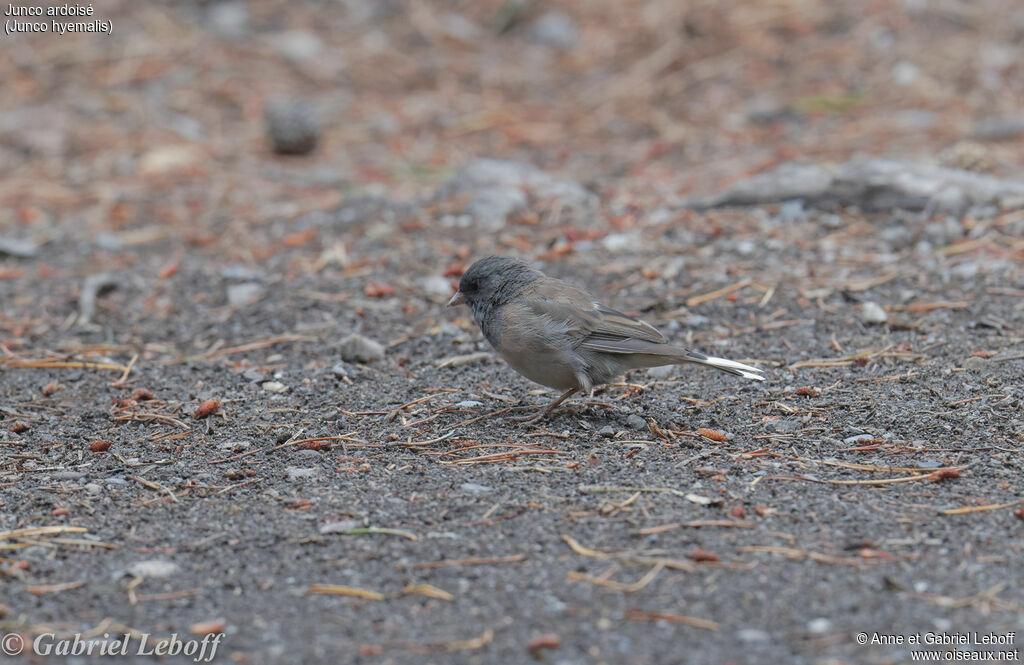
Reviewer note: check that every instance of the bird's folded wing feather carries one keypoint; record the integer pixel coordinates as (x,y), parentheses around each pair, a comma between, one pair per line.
(592,325)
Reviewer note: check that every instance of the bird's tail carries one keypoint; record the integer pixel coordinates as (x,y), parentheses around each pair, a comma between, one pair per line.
(730,366)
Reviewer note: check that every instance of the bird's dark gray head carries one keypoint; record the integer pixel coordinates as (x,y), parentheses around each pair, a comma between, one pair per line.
(490,283)
(496,280)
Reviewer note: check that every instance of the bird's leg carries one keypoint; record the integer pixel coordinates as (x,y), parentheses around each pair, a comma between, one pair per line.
(528,420)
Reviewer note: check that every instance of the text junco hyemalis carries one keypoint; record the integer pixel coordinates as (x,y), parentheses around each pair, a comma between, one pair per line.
(560,336)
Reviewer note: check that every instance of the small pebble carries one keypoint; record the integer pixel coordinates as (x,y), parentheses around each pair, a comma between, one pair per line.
(340,527)
(246,292)
(661,373)
(436,286)
(475,488)
(253,375)
(275,387)
(636,422)
(359,349)
(156,568)
(979,364)
(299,473)
(782,425)
(872,313)
(555,29)
(292,126)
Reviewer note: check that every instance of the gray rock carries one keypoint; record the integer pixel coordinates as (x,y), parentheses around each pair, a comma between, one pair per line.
(873,184)
(746,247)
(295,473)
(897,236)
(498,188)
(753,635)
(275,387)
(93,488)
(467,404)
(109,242)
(254,375)
(636,422)
(234,446)
(246,292)
(241,273)
(661,373)
(341,526)
(154,568)
(293,126)
(791,211)
(492,206)
(979,364)
(298,45)
(872,313)
(966,270)
(342,370)
(436,286)
(230,19)
(358,349)
(819,626)
(607,431)
(999,128)
(623,242)
(555,29)
(780,426)
(475,488)
(21,249)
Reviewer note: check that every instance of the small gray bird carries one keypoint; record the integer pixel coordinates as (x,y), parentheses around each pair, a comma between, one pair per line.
(560,336)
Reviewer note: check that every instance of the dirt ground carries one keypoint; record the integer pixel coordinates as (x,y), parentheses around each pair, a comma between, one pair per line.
(340,506)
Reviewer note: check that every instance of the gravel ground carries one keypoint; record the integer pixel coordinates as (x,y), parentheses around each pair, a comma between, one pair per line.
(774,544)
(361,494)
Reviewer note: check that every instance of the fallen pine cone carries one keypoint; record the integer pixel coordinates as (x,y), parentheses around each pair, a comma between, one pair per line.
(714,435)
(208,408)
(942,474)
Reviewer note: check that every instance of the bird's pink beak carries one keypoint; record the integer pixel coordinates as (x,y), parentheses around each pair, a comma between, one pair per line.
(457,299)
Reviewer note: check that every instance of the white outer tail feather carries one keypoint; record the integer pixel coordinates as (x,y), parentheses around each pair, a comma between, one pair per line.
(731,366)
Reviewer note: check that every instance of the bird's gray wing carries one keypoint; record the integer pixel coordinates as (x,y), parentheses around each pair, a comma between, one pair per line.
(590,324)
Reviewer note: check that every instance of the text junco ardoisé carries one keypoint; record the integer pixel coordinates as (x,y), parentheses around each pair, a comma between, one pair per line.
(560,336)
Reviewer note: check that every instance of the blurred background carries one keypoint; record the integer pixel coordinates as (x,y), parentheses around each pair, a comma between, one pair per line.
(165,122)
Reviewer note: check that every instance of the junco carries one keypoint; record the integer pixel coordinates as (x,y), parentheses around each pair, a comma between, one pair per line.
(560,336)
